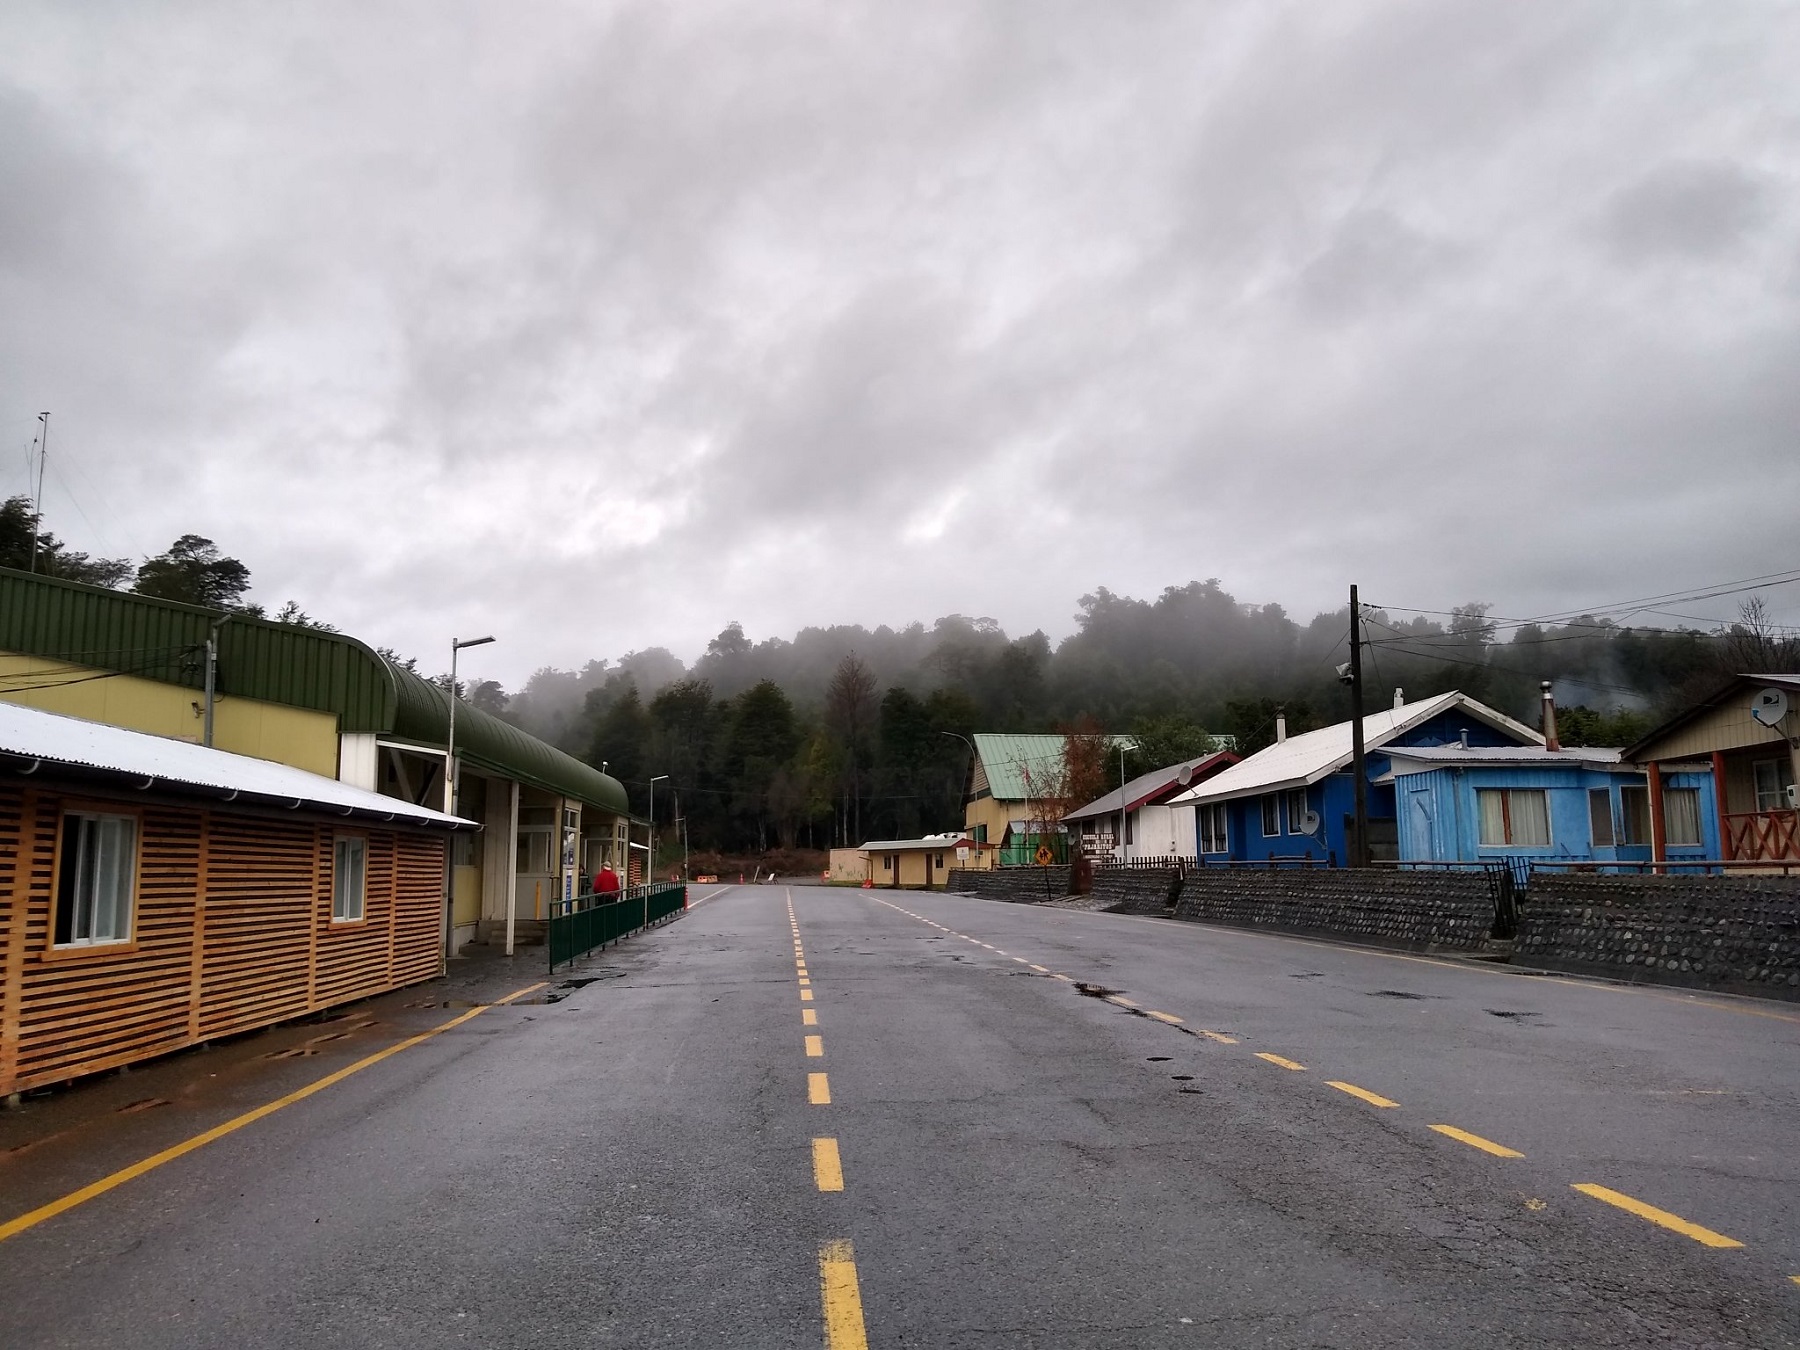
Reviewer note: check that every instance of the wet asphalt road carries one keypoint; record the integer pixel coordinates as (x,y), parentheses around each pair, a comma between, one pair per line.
(1024,1162)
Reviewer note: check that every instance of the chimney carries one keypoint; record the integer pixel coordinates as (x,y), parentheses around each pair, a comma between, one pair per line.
(1280,725)
(1464,740)
(1550,741)
(1399,697)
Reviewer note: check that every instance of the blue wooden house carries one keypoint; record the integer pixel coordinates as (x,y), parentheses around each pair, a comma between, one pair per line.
(1295,798)
(1526,804)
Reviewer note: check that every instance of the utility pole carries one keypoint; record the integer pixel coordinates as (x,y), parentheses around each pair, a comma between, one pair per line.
(37,497)
(1359,840)
(650,868)
(1124,853)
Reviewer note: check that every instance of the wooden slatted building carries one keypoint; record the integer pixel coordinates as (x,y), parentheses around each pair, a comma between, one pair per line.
(156,894)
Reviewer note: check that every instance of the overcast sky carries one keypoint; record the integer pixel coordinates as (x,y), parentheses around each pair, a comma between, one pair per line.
(597,326)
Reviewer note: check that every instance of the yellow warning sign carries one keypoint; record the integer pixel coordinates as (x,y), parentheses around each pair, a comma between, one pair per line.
(1044,856)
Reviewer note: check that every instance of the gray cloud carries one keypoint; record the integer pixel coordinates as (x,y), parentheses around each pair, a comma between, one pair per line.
(605,324)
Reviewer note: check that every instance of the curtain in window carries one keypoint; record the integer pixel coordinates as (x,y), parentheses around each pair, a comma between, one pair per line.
(1530,810)
(1681,816)
(1493,816)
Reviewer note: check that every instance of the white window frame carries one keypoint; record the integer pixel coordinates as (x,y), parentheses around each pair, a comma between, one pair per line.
(92,871)
(1595,796)
(349,884)
(1768,780)
(1212,827)
(1270,805)
(1295,796)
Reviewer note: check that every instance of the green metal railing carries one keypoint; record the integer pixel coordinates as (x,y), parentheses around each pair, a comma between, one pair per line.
(580,925)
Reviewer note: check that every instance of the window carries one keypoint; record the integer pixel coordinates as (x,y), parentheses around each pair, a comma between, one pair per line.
(1131,829)
(534,852)
(1600,817)
(1296,811)
(97,873)
(1210,818)
(1271,815)
(463,849)
(349,871)
(979,835)
(1772,777)
(1681,817)
(1634,814)
(887,862)
(940,861)
(1519,817)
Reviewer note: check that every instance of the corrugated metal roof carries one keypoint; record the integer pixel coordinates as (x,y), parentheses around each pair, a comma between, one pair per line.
(1146,786)
(1435,755)
(278,663)
(927,844)
(163,640)
(1312,755)
(1006,757)
(32,734)
(484,741)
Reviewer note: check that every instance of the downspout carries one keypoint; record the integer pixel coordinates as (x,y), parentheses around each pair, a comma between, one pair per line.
(212,680)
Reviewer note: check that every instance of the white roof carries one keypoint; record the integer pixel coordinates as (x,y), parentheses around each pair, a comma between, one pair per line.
(32,734)
(1423,758)
(929,842)
(1302,760)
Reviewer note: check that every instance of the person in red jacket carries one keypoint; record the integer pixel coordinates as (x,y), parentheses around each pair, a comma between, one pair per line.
(606,881)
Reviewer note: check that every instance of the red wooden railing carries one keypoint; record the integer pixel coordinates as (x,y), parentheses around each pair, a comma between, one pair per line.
(1763,835)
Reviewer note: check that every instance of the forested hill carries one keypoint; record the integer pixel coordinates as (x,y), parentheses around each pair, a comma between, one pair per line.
(756,722)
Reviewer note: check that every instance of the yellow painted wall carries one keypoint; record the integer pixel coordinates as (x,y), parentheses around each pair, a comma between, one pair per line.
(465,905)
(913,867)
(993,813)
(297,736)
(1730,727)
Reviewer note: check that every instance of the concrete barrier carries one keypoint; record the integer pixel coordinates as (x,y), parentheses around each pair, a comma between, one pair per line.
(1737,933)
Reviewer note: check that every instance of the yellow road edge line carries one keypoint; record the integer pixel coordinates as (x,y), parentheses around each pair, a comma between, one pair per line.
(1372,1098)
(815,1047)
(818,1089)
(1170,1018)
(1476,1141)
(94,1189)
(840,1297)
(1673,1222)
(809,1017)
(828,1168)
(1284,1063)
(1219,1036)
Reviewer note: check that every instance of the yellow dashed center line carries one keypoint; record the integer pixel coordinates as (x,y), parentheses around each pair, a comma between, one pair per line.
(1673,1222)
(804,982)
(1170,1018)
(1120,1000)
(1042,970)
(841,1297)
(1219,1036)
(815,1047)
(1280,1062)
(809,1017)
(1476,1141)
(818,1089)
(828,1170)
(806,996)
(1362,1094)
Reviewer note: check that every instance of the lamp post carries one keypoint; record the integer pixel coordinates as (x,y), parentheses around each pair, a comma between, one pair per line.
(650,867)
(450,775)
(1124,849)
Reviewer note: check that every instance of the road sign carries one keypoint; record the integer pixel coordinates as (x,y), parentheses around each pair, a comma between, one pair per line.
(1044,856)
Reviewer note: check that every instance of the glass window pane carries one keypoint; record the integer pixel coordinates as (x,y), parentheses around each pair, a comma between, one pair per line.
(1493,818)
(1634,803)
(1600,819)
(1530,810)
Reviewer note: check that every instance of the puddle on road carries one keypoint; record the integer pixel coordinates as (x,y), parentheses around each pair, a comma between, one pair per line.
(1511,1016)
(1400,993)
(1095,990)
(1306,974)
(1158,1059)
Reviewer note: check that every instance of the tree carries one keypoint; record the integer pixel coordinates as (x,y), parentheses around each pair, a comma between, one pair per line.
(489,696)
(294,616)
(850,711)
(194,572)
(406,663)
(1252,721)
(760,744)
(622,738)
(1162,741)
(1086,771)
(53,558)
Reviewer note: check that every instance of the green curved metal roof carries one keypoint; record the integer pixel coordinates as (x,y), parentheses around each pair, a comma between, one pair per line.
(484,741)
(163,640)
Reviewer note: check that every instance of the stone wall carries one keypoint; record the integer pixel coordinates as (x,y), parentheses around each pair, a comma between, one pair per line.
(1136,890)
(1391,908)
(1020,885)
(1735,932)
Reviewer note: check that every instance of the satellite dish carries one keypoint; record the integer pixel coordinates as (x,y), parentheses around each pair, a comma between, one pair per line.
(1309,822)
(1769,706)
(1186,775)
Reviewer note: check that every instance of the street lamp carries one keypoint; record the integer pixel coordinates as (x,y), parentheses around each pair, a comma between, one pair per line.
(450,774)
(650,870)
